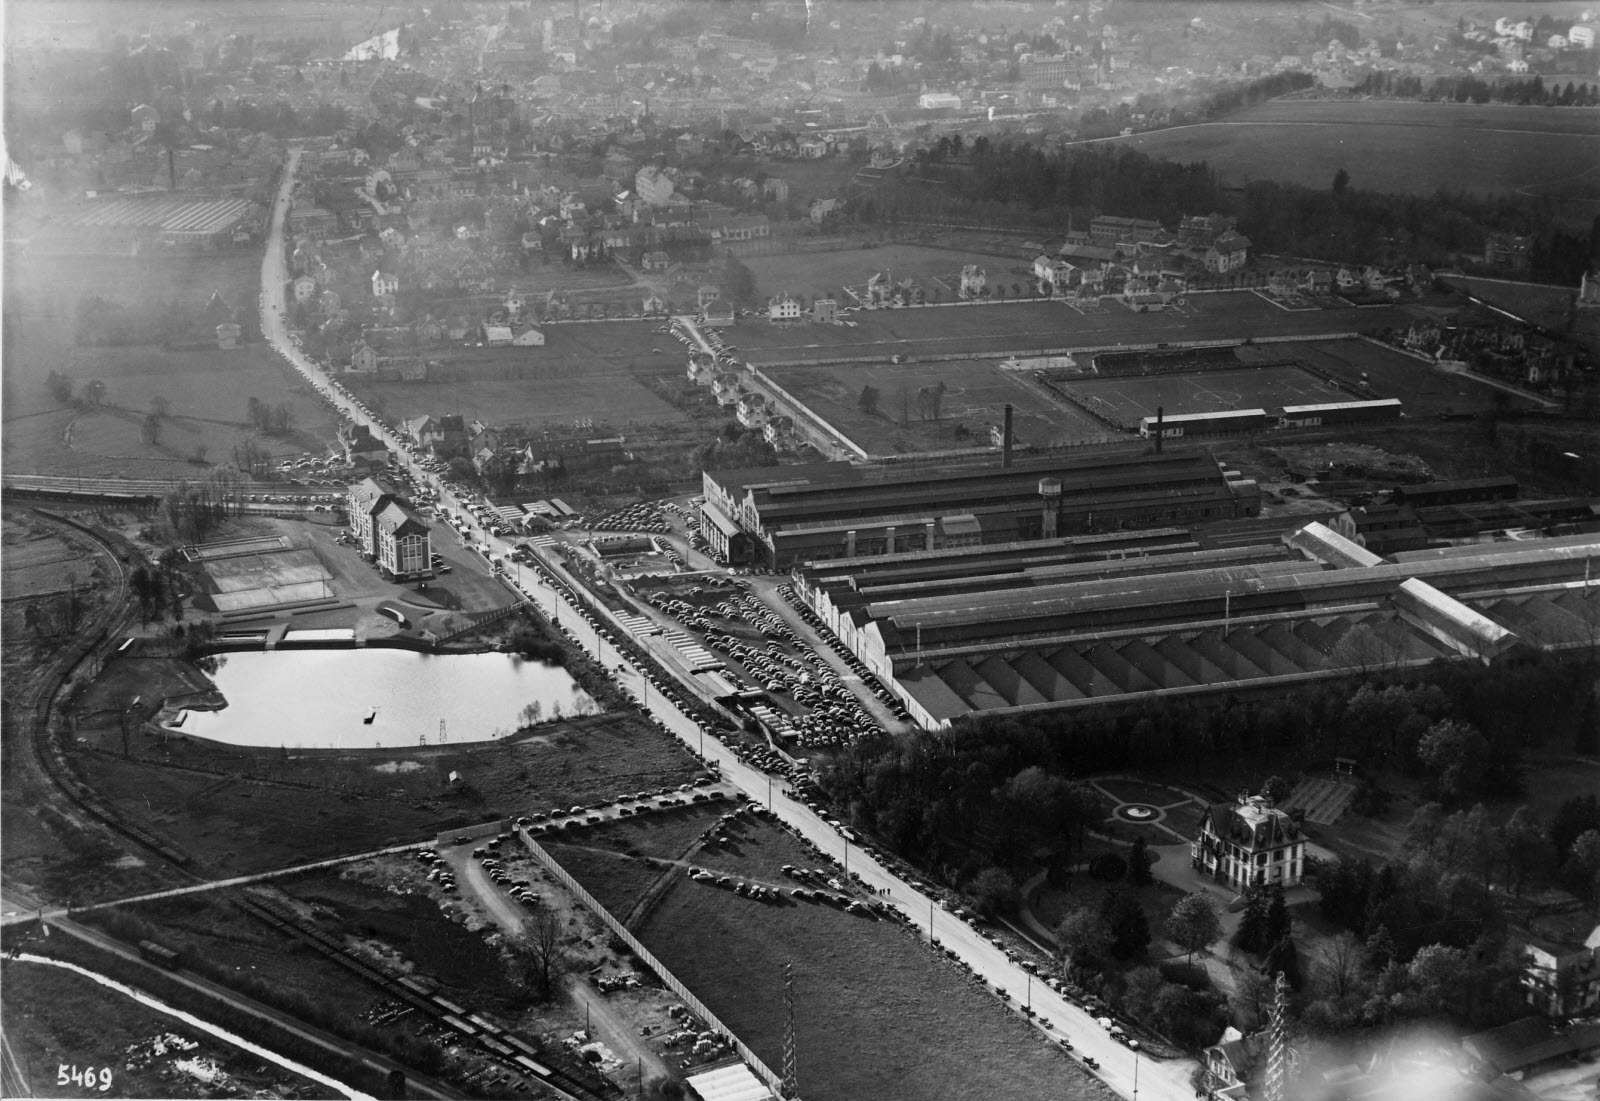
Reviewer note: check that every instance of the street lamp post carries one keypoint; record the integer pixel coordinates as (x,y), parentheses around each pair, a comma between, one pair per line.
(1135,1074)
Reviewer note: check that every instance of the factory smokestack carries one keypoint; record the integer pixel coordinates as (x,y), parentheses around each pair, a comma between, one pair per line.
(1160,427)
(1006,440)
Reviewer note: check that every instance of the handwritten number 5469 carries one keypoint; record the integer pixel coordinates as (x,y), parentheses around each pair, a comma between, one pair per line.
(84,1078)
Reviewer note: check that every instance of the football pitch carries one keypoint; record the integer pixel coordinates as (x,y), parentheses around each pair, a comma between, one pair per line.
(1126,400)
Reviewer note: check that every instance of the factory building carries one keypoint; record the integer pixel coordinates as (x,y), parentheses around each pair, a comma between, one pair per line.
(1107,622)
(821,511)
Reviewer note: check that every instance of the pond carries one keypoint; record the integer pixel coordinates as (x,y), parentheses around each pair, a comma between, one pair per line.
(320,699)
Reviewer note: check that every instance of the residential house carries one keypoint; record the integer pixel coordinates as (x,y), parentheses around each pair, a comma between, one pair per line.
(1229,252)
(779,430)
(974,281)
(656,261)
(751,410)
(304,288)
(496,335)
(775,188)
(718,315)
(363,360)
(1507,250)
(783,307)
(1227,1067)
(530,337)
(653,304)
(384,283)
(422,430)
(146,118)
(825,311)
(1247,843)
(227,335)
(707,294)
(821,208)
(740,227)
(1561,977)
(1581,36)
(362,449)
(1052,274)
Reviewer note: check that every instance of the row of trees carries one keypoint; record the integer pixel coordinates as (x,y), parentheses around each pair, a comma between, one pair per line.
(275,420)
(1021,184)
(1470,89)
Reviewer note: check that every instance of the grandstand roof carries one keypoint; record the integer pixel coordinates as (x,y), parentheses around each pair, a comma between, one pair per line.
(1328,406)
(1217,415)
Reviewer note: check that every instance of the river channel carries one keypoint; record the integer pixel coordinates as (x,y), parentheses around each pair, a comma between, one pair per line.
(323,699)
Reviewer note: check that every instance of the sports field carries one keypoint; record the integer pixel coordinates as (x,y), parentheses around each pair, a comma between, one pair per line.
(976,393)
(1125,400)
(1033,325)
(1425,391)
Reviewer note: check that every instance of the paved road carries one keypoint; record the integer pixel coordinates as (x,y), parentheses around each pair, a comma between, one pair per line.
(1166,1080)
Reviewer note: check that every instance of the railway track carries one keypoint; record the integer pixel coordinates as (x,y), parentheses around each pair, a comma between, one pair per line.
(105,623)
(516,1055)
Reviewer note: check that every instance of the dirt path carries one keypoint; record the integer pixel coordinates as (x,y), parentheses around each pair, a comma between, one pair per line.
(606,1025)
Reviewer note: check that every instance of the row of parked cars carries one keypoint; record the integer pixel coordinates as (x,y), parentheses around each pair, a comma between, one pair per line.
(857,666)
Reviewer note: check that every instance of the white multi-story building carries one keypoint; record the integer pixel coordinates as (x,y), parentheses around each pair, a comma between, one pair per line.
(1249,843)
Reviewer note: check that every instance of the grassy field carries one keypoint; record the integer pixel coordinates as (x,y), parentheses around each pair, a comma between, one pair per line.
(876,1014)
(585,369)
(1414,148)
(1539,303)
(817,274)
(1128,399)
(612,860)
(254,821)
(53,1018)
(975,396)
(206,390)
(207,393)
(1424,391)
(1032,325)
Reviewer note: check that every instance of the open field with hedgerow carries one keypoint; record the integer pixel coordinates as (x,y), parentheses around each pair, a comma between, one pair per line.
(204,391)
(1397,146)
(876,1013)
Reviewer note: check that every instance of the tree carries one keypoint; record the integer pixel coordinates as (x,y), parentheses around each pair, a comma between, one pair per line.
(1139,861)
(1193,924)
(150,430)
(1379,951)
(1278,926)
(993,892)
(1440,978)
(1583,864)
(1082,940)
(1339,965)
(94,392)
(1341,182)
(1276,790)
(60,387)
(1251,935)
(541,955)
(1456,757)
(1125,925)
(868,401)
